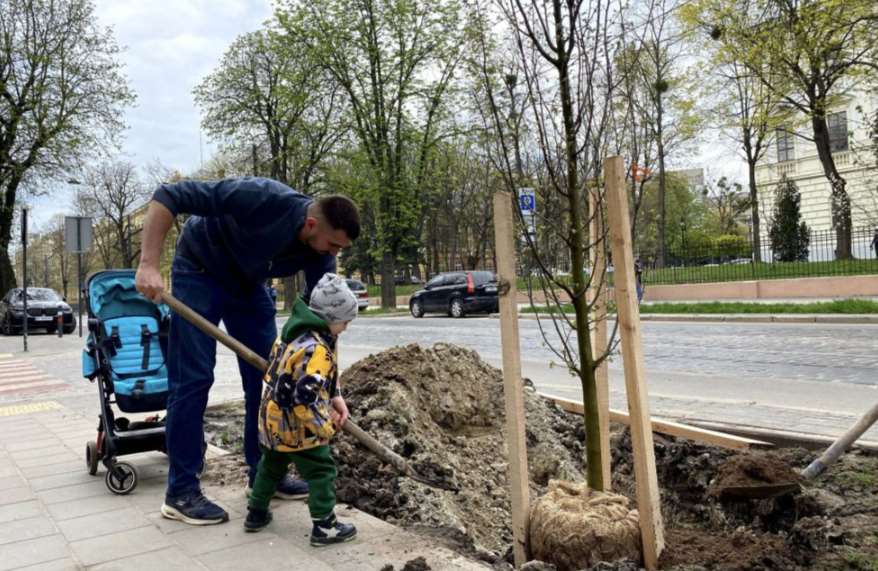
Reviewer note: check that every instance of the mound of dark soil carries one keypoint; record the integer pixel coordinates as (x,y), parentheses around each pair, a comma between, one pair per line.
(442,409)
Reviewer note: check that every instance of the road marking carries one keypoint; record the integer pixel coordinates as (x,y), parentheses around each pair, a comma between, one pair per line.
(17,409)
(17,375)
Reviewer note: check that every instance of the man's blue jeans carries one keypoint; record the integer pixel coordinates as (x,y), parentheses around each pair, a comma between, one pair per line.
(249,318)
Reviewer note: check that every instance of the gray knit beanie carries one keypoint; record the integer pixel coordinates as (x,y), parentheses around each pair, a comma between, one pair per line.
(333,300)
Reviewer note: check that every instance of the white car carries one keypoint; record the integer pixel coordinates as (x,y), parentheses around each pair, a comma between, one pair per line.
(359,289)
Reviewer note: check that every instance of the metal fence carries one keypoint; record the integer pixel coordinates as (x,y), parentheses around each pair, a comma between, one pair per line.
(734,262)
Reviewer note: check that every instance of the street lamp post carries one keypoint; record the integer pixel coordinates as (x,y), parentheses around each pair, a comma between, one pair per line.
(24,272)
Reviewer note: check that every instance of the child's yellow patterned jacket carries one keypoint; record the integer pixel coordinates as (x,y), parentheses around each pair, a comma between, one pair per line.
(300,381)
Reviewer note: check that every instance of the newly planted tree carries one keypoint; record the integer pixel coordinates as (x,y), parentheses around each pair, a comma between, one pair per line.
(564,51)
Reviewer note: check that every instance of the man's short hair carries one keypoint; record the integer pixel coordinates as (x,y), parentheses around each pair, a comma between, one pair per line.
(341,213)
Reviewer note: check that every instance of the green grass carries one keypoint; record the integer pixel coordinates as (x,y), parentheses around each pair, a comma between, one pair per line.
(709,274)
(407,289)
(846,306)
(861,561)
(743,272)
(760,271)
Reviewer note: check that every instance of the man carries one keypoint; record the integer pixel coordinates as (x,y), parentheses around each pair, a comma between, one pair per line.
(242,232)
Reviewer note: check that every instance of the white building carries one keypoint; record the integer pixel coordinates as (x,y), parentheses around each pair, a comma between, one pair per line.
(795,156)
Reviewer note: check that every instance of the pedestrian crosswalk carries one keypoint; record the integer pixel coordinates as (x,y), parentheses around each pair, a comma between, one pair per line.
(19,377)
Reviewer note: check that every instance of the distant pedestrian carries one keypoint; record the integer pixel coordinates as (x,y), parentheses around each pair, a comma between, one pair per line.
(875,242)
(638,278)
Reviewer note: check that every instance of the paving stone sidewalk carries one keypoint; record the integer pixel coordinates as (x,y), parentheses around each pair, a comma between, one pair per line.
(54,516)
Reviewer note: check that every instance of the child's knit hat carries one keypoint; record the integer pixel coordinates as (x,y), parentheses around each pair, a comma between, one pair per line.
(333,300)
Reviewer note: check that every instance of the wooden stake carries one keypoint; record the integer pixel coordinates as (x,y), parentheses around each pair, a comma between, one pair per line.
(680,430)
(648,500)
(599,336)
(504,237)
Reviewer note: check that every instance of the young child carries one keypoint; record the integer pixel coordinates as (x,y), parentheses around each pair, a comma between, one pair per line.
(302,408)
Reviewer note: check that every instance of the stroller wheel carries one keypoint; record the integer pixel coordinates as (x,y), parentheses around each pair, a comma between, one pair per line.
(91,457)
(121,478)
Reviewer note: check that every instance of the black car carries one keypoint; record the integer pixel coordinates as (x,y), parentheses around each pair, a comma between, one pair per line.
(43,305)
(457,293)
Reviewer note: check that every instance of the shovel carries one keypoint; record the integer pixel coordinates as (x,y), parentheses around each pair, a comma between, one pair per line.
(383,452)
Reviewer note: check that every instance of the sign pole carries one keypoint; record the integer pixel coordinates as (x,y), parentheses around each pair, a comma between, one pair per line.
(24,271)
(77,239)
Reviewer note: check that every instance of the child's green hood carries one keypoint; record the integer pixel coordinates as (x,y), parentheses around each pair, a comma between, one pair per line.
(302,319)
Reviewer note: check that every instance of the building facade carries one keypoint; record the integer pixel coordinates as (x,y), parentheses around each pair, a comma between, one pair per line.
(794,155)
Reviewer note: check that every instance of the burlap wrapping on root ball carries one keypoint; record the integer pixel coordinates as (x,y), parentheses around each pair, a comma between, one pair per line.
(573,527)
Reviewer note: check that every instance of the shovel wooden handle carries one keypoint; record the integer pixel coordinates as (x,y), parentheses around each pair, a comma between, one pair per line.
(254,359)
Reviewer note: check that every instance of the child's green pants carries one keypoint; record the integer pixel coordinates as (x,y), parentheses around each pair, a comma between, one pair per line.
(316,467)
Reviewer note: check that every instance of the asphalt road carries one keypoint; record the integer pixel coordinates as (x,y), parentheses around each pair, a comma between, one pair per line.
(815,378)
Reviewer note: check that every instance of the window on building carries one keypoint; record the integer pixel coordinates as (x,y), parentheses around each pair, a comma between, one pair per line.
(785,145)
(838,131)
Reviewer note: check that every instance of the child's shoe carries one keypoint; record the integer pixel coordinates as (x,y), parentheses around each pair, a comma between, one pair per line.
(256,519)
(329,530)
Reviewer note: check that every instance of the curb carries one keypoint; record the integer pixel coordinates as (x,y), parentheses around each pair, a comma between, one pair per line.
(858,319)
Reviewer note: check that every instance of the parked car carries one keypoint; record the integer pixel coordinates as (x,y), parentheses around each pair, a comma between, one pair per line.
(457,293)
(360,290)
(43,305)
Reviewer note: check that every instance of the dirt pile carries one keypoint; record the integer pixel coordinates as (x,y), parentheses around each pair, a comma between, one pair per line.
(442,409)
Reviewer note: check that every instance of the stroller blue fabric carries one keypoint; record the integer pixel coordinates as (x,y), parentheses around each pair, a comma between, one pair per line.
(125,343)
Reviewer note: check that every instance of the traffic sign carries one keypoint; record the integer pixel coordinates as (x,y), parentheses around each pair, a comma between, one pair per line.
(77,234)
(527,200)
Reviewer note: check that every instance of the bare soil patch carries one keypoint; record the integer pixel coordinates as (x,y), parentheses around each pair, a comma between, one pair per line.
(442,409)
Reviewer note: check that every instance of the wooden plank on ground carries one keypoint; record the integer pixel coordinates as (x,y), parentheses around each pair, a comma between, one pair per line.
(599,332)
(648,500)
(678,429)
(504,235)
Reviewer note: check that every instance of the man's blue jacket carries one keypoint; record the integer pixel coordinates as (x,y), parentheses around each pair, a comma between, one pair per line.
(244,230)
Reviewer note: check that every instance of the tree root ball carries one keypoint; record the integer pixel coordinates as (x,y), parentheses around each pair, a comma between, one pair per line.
(573,527)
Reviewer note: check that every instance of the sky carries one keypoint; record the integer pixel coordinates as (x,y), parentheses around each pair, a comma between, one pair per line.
(169,46)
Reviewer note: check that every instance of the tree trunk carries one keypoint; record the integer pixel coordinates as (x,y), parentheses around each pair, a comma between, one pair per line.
(662,221)
(388,291)
(754,210)
(577,251)
(290,292)
(7,272)
(839,199)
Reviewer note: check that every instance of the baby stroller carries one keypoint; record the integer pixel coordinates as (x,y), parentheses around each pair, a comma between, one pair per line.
(125,352)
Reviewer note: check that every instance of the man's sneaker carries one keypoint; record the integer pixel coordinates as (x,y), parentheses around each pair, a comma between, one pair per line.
(289,489)
(329,531)
(256,519)
(194,509)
